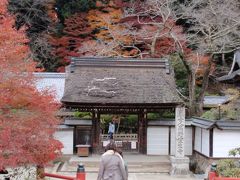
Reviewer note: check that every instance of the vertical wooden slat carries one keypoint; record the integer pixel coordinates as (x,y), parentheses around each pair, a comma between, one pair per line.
(169,140)
(93,141)
(211,143)
(98,128)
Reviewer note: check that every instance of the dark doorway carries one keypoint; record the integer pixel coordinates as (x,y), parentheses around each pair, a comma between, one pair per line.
(82,136)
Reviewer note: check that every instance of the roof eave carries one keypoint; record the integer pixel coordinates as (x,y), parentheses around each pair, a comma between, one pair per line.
(76,104)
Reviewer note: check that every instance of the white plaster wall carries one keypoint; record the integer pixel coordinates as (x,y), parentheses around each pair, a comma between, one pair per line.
(66,138)
(53,81)
(205,142)
(157,140)
(224,141)
(198,141)
(187,143)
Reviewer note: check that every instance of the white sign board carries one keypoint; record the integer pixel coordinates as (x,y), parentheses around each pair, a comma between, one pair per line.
(133,145)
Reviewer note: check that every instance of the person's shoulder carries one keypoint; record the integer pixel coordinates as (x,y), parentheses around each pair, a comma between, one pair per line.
(104,157)
(116,154)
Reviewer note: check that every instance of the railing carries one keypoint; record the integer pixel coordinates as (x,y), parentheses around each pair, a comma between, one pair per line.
(120,137)
(80,175)
(213,176)
(59,176)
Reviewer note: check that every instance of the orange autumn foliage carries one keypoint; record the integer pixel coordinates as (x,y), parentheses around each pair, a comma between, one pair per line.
(12,43)
(76,31)
(148,29)
(50,10)
(93,33)
(103,31)
(27,116)
(199,63)
(106,22)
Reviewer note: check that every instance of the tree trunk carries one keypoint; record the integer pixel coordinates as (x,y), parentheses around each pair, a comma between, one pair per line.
(191,86)
(196,103)
(153,44)
(40,172)
(192,91)
(223,60)
(200,99)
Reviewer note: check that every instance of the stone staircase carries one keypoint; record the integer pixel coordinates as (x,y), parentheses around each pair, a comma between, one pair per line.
(137,163)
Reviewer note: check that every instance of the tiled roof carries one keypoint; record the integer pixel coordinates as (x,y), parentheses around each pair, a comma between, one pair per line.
(49,75)
(75,121)
(220,124)
(203,123)
(167,122)
(214,101)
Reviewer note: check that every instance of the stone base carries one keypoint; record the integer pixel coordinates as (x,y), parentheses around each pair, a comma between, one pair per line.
(180,166)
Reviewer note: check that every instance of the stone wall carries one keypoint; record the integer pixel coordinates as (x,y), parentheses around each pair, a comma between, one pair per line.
(200,164)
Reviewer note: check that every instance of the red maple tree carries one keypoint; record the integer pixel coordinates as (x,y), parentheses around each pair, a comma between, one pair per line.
(27,116)
(76,31)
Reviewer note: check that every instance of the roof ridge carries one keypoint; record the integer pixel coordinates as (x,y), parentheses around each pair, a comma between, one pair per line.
(121,63)
(49,75)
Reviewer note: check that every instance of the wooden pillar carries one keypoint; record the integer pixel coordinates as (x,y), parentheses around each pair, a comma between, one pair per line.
(139,133)
(142,132)
(95,130)
(145,132)
(94,120)
(98,128)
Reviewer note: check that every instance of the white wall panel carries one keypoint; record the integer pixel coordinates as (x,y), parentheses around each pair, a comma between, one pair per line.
(224,141)
(198,141)
(66,138)
(205,142)
(157,140)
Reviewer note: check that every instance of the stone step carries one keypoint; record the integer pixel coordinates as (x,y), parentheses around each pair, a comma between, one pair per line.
(136,163)
(133,167)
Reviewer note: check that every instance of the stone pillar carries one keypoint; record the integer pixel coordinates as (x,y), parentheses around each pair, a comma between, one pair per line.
(180,163)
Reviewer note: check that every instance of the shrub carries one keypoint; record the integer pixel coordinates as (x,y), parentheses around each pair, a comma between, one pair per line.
(83,115)
(228,168)
(234,152)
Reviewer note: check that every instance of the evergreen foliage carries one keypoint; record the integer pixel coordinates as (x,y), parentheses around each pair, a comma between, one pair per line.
(128,123)
(180,73)
(66,8)
(31,14)
(83,115)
